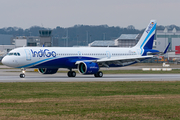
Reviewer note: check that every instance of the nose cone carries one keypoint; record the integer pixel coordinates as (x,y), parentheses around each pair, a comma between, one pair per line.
(4,61)
(9,61)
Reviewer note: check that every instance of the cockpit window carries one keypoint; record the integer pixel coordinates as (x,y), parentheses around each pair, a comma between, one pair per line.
(15,54)
(10,53)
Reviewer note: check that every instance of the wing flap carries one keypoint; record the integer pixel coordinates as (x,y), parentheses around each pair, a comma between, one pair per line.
(127,58)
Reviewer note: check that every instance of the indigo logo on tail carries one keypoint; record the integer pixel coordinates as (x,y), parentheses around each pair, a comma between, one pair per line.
(43,53)
(150,26)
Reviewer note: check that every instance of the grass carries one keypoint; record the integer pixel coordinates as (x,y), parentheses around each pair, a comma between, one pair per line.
(90,100)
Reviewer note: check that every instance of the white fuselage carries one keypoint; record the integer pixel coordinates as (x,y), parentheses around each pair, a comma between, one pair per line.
(38,57)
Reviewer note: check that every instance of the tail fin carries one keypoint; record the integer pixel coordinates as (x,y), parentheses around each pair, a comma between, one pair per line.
(146,40)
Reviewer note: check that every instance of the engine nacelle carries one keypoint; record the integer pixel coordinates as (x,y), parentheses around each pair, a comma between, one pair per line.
(88,68)
(48,70)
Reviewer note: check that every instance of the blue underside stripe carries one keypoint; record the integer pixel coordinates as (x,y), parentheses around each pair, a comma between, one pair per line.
(63,63)
(57,61)
(35,63)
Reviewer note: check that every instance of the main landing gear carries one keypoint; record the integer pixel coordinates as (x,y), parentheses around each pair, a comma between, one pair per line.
(98,74)
(22,75)
(71,74)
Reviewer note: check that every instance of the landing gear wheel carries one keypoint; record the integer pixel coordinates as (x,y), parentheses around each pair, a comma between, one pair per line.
(98,74)
(71,74)
(22,75)
(95,75)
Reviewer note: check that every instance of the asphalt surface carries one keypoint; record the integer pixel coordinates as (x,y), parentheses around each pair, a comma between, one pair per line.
(12,75)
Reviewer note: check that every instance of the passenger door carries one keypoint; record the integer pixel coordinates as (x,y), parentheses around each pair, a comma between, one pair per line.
(79,55)
(108,54)
(28,54)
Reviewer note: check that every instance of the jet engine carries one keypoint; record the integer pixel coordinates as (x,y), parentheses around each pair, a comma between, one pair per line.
(88,68)
(48,70)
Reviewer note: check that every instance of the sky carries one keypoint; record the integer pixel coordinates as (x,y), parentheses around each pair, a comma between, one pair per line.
(67,13)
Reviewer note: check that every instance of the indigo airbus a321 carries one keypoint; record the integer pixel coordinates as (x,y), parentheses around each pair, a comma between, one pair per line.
(87,60)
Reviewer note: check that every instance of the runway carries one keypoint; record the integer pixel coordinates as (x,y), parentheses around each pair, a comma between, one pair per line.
(62,77)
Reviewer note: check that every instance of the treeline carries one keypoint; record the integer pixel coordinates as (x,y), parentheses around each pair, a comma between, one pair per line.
(79,34)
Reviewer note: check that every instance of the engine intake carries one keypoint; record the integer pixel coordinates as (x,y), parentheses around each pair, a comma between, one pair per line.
(48,70)
(88,68)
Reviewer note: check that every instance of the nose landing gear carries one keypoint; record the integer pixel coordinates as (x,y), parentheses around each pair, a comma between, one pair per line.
(22,75)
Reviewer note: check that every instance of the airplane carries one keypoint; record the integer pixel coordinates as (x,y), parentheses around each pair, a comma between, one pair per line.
(87,60)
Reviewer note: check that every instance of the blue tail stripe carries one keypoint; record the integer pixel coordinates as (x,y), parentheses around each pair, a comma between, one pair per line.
(152,30)
(149,44)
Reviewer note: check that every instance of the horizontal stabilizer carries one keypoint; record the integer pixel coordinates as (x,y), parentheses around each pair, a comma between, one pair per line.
(160,53)
(166,48)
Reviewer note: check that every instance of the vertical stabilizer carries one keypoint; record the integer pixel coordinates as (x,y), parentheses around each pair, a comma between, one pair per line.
(146,40)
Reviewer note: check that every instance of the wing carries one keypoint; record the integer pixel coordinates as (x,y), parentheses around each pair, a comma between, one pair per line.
(118,60)
(121,61)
